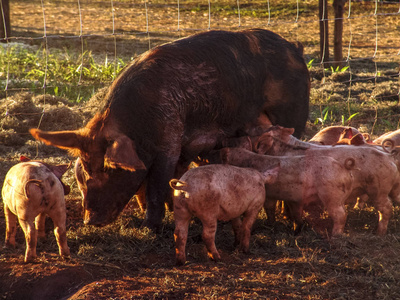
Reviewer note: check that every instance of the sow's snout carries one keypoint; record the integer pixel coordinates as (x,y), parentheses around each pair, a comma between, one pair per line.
(103,203)
(95,219)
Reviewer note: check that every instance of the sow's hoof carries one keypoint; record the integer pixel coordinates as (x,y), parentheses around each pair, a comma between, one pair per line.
(155,227)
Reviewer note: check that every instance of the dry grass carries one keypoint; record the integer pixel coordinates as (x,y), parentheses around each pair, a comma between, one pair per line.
(124,261)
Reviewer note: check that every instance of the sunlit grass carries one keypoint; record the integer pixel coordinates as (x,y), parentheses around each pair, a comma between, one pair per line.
(61,72)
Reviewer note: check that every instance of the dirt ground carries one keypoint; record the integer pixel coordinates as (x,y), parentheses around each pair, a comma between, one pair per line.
(124,261)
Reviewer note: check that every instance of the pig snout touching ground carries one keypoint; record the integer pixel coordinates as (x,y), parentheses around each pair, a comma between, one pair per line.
(31,190)
(218,192)
(81,178)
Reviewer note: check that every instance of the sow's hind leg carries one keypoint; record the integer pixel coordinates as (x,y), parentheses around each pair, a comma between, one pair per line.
(157,190)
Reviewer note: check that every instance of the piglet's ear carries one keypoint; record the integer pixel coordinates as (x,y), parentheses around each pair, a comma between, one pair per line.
(23,158)
(264,143)
(122,154)
(59,170)
(288,131)
(358,140)
(347,133)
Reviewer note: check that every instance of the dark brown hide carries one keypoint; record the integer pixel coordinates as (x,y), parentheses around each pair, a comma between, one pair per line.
(178,101)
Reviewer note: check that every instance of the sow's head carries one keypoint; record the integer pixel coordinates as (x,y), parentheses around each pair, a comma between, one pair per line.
(110,171)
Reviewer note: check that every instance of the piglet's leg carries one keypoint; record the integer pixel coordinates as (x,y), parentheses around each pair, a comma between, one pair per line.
(40,225)
(247,223)
(295,213)
(209,230)
(11,227)
(361,201)
(270,206)
(385,209)
(31,238)
(338,214)
(59,219)
(182,219)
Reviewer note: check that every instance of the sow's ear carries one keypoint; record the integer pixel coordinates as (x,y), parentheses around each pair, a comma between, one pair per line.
(61,139)
(122,154)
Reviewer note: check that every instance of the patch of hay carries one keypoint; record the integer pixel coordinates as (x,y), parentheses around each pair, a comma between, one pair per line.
(24,110)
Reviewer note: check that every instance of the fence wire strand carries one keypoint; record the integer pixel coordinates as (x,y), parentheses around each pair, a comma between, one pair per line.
(46,63)
(351,40)
(81,41)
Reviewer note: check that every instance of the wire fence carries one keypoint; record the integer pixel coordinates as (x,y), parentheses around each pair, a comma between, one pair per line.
(116,31)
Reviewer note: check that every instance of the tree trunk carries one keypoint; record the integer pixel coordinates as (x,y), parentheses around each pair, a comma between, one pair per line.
(323,30)
(5,27)
(338,6)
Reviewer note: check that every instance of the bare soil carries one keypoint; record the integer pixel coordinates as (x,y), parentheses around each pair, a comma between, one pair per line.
(124,261)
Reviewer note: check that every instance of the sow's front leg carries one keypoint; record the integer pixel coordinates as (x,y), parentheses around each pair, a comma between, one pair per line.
(161,172)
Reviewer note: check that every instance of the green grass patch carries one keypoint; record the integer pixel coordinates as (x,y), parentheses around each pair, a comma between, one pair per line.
(63,73)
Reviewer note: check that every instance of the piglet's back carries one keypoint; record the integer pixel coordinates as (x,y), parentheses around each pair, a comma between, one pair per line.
(33,184)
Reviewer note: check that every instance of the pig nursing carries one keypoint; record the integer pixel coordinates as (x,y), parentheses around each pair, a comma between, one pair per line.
(30,191)
(176,102)
(375,177)
(302,180)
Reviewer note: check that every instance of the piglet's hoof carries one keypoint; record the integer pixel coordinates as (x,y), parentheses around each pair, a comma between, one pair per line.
(8,246)
(31,259)
(215,257)
(180,262)
(298,228)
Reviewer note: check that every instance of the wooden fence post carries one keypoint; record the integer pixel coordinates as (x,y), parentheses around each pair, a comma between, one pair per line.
(5,26)
(338,6)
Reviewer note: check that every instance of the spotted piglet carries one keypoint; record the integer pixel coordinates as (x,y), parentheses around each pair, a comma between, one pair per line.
(31,190)
(218,192)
